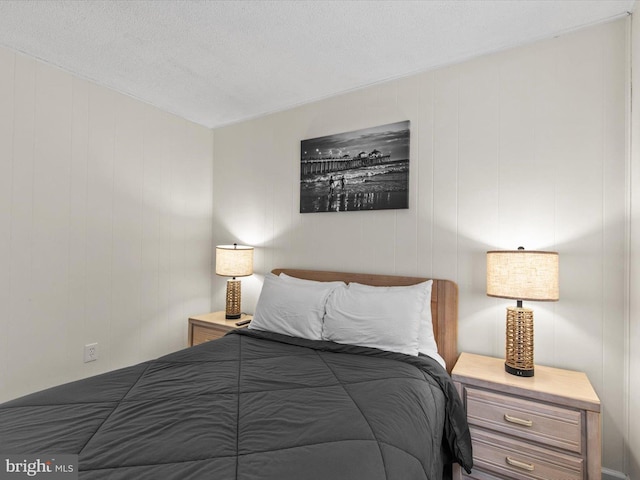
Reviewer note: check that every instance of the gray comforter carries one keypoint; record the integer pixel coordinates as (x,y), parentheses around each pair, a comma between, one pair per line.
(250,406)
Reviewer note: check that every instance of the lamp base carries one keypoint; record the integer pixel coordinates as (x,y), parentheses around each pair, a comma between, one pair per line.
(519,342)
(517,371)
(234,297)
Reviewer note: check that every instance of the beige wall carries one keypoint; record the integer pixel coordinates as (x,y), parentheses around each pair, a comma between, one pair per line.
(105,227)
(634,337)
(525,147)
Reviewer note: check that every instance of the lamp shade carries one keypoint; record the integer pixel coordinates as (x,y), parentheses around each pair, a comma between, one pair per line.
(234,260)
(523,275)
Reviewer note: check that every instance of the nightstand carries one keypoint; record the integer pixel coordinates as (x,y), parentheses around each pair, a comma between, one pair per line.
(545,426)
(210,326)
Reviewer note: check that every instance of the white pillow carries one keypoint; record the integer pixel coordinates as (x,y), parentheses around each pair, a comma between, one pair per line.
(426,340)
(385,319)
(302,281)
(291,308)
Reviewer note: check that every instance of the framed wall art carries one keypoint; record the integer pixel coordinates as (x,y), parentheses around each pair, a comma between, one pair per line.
(365,169)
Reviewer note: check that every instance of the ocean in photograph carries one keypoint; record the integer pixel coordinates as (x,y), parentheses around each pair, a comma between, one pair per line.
(374,187)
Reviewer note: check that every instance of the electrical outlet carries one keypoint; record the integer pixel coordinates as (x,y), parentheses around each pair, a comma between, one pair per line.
(90,352)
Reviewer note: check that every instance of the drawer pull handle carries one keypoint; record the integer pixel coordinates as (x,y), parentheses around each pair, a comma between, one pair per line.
(518,421)
(518,464)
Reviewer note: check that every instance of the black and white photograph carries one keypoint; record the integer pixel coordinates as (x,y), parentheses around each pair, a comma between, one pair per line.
(364,169)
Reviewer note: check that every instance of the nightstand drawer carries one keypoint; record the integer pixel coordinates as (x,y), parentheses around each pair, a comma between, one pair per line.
(204,334)
(508,458)
(547,424)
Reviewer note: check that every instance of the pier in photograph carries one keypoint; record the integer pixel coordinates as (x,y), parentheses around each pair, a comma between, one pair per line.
(314,166)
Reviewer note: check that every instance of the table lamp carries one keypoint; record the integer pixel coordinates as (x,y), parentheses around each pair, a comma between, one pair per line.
(234,261)
(521,275)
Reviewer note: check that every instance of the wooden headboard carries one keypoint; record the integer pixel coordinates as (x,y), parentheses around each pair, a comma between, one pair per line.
(444,302)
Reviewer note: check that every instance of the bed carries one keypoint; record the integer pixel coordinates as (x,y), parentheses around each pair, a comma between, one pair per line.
(260,404)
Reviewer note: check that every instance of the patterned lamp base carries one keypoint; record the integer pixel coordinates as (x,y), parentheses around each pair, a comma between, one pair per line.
(234,297)
(519,342)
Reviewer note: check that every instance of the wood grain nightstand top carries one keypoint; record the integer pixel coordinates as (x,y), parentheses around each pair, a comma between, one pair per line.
(548,384)
(210,326)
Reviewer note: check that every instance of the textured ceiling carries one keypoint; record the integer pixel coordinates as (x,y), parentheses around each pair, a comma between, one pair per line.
(220,62)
